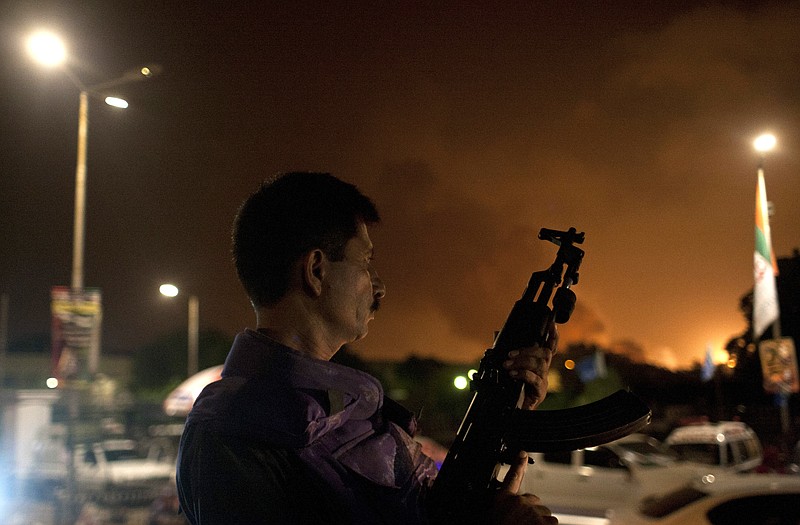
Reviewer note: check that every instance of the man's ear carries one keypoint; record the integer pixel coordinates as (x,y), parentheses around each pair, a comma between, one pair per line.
(314,269)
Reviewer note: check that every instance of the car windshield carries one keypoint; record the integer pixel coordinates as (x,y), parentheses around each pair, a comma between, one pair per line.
(697,452)
(641,447)
(660,506)
(121,454)
(648,452)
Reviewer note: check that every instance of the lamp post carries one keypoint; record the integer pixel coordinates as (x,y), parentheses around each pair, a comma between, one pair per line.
(778,346)
(50,51)
(193,326)
(47,49)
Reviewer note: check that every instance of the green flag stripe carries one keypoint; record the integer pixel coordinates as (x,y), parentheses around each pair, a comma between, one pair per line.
(761,245)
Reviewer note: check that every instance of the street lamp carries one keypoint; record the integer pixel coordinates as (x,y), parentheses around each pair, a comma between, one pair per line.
(47,49)
(193,329)
(765,143)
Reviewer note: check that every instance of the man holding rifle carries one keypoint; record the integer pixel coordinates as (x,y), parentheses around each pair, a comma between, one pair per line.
(286,436)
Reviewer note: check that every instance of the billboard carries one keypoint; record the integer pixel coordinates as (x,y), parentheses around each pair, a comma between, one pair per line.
(75,332)
(779,365)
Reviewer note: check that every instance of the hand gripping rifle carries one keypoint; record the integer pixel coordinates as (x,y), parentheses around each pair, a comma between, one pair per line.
(494,430)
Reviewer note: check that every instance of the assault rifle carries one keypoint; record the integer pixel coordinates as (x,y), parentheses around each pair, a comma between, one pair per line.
(494,430)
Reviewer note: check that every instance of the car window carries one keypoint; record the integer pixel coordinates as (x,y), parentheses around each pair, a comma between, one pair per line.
(731,454)
(768,509)
(121,454)
(740,454)
(563,457)
(602,457)
(698,452)
(642,447)
(752,448)
(89,458)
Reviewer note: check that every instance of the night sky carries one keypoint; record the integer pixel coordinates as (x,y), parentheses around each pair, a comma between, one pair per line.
(470,125)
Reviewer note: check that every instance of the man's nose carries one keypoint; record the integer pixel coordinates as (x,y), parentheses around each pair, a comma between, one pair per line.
(378,288)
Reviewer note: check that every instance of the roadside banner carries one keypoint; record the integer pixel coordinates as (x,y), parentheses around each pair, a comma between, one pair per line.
(75,332)
(779,365)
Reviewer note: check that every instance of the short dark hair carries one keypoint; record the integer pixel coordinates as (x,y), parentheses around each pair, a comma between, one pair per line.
(286,217)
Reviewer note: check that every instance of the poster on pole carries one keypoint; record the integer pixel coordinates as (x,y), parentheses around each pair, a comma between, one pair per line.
(779,365)
(75,332)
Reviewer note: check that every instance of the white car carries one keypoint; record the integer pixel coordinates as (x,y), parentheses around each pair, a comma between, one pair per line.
(113,470)
(591,481)
(725,446)
(768,499)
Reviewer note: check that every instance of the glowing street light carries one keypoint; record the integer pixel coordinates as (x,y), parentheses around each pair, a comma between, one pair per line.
(193,328)
(460,382)
(116,102)
(168,290)
(765,143)
(47,49)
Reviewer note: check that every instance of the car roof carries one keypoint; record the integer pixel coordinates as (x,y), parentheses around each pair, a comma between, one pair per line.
(709,431)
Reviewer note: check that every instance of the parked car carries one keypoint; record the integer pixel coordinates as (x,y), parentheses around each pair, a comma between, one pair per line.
(755,499)
(588,482)
(643,450)
(114,470)
(724,446)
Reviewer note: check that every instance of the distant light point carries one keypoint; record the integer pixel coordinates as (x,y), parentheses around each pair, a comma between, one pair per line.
(461,382)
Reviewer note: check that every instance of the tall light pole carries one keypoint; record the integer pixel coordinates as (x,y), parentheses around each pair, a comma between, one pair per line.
(193,327)
(47,49)
(774,354)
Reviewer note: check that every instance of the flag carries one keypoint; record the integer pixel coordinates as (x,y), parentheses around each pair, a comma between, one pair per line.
(592,367)
(707,372)
(765,268)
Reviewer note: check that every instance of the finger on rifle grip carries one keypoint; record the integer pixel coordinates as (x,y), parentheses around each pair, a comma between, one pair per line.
(516,472)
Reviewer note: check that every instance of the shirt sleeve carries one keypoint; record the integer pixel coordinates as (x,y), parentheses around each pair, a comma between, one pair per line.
(229,480)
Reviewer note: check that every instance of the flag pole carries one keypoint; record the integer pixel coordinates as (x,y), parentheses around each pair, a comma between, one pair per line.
(766,281)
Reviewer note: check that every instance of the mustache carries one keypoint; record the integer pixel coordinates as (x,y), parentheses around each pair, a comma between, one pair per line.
(376,304)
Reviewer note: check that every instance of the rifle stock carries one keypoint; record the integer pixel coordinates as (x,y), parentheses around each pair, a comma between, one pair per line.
(494,429)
